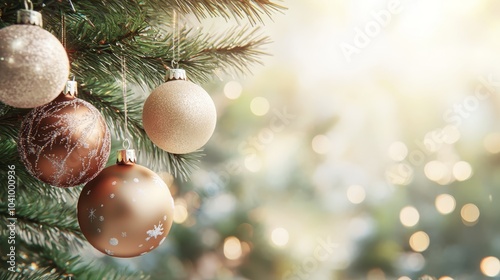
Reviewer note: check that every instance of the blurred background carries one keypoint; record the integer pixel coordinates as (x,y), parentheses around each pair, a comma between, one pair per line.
(366,147)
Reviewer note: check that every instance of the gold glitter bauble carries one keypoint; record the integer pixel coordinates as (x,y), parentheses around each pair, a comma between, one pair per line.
(179,116)
(34,66)
(126,211)
(64,143)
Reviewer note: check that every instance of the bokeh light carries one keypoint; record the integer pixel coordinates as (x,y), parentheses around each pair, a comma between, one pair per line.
(445,203)
(445,278)
(321,144)
(492,143)
(398,151)
(253,164)
(232,248)
(356,194)
(279,237)
(409,216)
(180,211)
(490,266)
(462,170)
(233,90)
(435,170)
(451,134)
(404,278)
(419,241)
(259,106)
(470,214)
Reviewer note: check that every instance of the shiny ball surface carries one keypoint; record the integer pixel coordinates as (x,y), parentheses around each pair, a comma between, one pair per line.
(64,143)
(126,211)
(34,66)
(179,117)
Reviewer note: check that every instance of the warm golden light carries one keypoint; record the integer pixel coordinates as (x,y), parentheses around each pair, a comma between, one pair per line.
(419,241)
(470,214)
(253,164)
(409,216)
(490,266)
(279,237)
(404,278)
(445,203)
(321,144)
(259,106)
(492,143)
(435,170)
(232,248)
(180,214)
(462,170)
(232,90)
(356,194)
(445,278)
(398,151)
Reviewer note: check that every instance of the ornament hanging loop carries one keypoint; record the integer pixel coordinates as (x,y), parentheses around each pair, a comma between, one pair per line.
(174,64)
(126,144)
(28,5)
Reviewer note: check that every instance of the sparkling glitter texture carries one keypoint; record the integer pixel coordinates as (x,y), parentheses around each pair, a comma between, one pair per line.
(64,143)
(179,116)
(137,214)
(34,66)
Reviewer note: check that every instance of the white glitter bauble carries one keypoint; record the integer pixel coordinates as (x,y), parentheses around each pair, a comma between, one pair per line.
(179,116)
(34,66)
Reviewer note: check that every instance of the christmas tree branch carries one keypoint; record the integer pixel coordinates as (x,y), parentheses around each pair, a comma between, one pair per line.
(251,9)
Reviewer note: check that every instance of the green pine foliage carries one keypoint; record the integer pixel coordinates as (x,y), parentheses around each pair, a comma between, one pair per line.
(98,34)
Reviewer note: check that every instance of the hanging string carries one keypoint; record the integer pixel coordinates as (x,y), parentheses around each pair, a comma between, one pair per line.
(28,5)
(126,141)
(175,41)
(63,29)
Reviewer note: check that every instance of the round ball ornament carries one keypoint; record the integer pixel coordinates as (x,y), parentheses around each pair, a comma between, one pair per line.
(64,143)
(127,210)
(34,65)
(179,116)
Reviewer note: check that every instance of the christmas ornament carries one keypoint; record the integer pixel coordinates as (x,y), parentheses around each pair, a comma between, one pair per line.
(34,65)
(66,142)
(127,210)
(179,116)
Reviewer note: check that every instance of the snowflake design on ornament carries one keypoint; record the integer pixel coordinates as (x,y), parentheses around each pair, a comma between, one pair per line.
(155,232)
(112,196)
(136,180)
(92,215)
(109,252)
(124,234)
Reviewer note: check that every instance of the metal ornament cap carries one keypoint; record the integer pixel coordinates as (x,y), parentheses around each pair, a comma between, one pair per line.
(71,89)
(126,157)
(29,17)
(176,74)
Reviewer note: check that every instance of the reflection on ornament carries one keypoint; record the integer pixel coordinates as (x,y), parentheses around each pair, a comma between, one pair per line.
(64,143)
(34,65)
(179,116)
(134,206)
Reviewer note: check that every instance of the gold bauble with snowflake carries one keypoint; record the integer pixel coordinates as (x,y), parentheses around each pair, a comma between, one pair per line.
(127,210)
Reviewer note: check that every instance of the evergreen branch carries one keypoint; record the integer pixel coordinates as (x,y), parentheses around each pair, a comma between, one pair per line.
(40,225)
(239,9)
(23,273)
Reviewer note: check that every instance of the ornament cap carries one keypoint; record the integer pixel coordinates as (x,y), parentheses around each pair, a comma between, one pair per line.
(71,89)
(176,74)
(29,17)
(126,157)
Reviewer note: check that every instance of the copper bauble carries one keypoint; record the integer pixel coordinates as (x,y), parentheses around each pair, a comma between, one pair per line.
(126,211)
(34,65)
(179,116)
(64,143)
